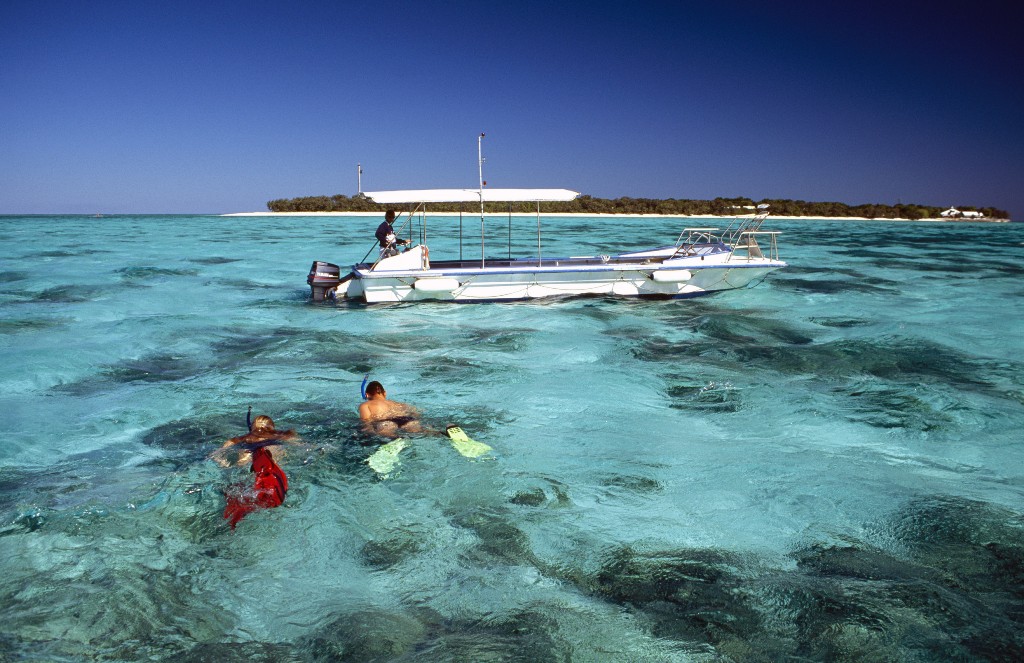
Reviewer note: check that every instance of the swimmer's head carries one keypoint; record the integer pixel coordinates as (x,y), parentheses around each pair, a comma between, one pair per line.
(262,422)
(374,388)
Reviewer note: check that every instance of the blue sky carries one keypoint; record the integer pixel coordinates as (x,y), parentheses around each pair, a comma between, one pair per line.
(221,106)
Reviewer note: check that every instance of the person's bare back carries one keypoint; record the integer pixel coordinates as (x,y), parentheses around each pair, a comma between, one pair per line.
(381,416)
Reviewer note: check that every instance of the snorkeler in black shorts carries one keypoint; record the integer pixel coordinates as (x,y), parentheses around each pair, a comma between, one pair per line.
(384,417)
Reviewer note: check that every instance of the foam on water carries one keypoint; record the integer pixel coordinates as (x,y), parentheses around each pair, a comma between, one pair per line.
(825,467)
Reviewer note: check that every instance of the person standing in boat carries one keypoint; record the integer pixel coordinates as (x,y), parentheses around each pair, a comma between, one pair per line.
(386,236)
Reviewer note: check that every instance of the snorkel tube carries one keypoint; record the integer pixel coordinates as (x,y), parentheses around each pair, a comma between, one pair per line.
(362,387)
(248,419)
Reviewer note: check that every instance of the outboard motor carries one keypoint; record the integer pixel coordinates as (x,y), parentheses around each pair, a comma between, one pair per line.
(322,277)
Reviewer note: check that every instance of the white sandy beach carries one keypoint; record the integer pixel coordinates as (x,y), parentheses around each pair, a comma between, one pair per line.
(585,214)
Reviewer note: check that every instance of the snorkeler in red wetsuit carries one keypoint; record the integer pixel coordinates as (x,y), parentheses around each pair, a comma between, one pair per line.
(269,490)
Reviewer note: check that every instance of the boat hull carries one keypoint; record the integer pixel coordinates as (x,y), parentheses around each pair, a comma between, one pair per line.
(685,269)
(509,284)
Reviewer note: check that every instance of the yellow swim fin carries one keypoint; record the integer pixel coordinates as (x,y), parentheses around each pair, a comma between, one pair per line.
(466,446)
(385,459)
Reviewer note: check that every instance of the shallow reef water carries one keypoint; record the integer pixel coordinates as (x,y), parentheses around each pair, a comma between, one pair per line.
(826,467)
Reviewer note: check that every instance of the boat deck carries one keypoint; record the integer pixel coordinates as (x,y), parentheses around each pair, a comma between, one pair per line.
(528,262)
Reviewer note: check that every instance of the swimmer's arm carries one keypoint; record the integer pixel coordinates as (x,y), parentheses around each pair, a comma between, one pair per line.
(289,436)
(220,455)
(367,417)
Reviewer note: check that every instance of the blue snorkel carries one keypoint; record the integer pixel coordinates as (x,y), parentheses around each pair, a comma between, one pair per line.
(362,387)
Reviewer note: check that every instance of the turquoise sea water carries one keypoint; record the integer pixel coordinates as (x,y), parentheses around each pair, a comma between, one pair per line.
(829,466)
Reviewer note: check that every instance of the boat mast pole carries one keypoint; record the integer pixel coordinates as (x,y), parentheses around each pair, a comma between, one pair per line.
(480,164)
(539,259)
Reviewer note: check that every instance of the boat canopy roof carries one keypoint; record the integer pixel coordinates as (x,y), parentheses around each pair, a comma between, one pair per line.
(471,195)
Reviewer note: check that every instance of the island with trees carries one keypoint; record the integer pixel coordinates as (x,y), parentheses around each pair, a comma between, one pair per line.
(585,204)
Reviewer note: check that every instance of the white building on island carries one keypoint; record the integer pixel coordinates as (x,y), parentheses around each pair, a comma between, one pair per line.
(953,213)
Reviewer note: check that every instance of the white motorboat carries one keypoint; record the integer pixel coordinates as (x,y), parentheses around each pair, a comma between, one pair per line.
(701,261)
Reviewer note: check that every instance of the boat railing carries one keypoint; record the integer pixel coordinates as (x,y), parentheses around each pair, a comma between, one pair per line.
(691,238)
(742,234)
(742,224)
(697,236)
(746,246)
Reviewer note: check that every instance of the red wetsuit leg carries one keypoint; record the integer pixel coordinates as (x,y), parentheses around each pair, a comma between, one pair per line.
(269,490)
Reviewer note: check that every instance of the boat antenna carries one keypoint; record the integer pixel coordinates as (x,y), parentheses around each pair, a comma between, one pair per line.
(480,164)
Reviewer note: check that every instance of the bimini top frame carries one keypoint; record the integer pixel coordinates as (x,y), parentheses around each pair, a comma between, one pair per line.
(471,196)
(420,197)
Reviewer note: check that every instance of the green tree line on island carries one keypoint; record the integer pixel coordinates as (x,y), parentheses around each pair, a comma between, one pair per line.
(671,206)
